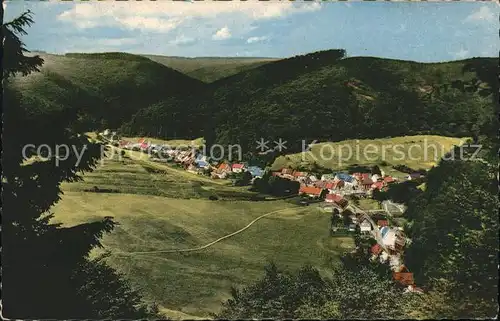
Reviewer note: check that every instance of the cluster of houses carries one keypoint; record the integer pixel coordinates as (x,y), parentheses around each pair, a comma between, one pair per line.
(360,184)
(331,188)
(191,159)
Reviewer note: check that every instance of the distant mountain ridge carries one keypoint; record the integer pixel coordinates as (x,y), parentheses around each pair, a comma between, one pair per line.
(322,95)
(210,69)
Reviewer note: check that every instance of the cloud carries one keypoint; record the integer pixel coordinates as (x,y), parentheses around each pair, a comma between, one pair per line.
(256,39)
(222,34)
(165,16)
(182,41)
(484,13)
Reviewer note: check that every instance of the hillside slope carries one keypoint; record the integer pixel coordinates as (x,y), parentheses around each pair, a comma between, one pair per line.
(108,88)
(210,69)
(327,97)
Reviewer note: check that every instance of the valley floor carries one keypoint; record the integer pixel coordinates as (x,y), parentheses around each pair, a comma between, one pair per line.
(171,210)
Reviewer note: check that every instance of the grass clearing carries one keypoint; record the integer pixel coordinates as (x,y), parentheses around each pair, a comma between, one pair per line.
(171,210)
(416,152)
(196,282)
(172,142)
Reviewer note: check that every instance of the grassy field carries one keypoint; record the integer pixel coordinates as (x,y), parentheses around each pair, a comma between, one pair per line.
(397,150)
(135,174)
(174,142)
(154,213)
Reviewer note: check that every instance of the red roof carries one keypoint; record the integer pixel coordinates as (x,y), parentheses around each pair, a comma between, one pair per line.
(321,184)
(367,181)
(376,249)
(365,175)
(405,278)
(299,174)
(238,166)
(389,179)
(224,166)
(334,197)
(310,190)
(382,223)
(378,185)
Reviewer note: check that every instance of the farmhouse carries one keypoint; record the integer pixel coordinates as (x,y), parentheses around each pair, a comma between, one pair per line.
(298,176)
(365,226)
(414,176)
(256,171)
(222,171)
(336,199)
(378,185)
(389,179)
(382,223)
(367,183)
(334,186)
(376,249)
(238,168)
(311,191)
(403,276)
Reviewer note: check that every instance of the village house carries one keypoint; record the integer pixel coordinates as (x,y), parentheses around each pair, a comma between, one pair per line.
(365,226)
(382,223)
(378,185)
(299,176)
(366,184)
(320,184)
(256,171)
(337,199)
(327,177)
(286,173)
(389,180)
(311,191)
(393,238)
(334,186)
(403,276)
(238,168)
(413,176)
(376,249)
(201,161)
(221,171)
(349,181)
(312,178)
(376,177)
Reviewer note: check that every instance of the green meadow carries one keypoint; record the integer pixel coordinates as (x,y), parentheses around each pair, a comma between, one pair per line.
(171,210)
(416,152)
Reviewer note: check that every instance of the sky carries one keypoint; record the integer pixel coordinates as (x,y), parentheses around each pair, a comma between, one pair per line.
(420,31)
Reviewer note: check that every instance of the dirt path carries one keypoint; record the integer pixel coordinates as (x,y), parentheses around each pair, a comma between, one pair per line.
(206,245)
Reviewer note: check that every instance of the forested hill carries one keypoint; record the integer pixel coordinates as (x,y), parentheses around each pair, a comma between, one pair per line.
(328,97)
(322,95)
(108,88)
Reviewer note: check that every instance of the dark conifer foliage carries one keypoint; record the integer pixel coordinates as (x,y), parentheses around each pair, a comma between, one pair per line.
(46,270)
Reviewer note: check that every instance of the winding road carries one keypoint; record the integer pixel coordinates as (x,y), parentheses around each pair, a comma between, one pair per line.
(198,248)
